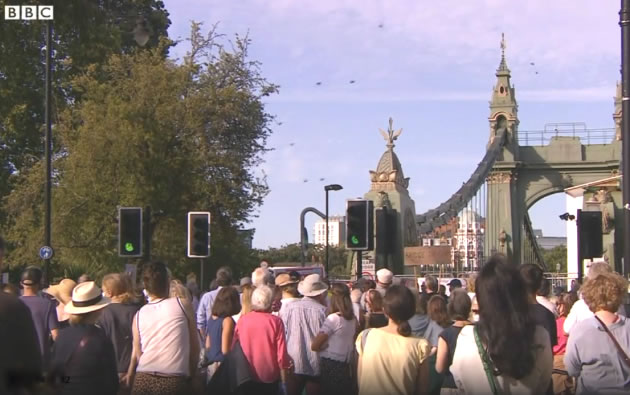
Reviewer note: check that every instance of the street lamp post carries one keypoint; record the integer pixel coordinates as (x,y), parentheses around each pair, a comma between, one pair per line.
(331,187)
(624,22)
(48,150)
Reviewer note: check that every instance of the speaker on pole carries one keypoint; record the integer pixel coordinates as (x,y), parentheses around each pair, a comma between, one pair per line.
(590,234)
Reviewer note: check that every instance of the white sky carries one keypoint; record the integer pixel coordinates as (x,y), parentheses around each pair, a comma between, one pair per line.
(430,66)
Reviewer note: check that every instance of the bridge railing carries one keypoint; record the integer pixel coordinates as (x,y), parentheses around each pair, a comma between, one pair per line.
(533,252)
(586,136)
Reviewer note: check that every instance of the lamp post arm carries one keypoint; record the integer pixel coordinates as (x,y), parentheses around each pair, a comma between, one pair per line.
(303,233)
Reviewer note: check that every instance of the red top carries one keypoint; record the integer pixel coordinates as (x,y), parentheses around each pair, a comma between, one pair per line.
(561,347)
(263,342)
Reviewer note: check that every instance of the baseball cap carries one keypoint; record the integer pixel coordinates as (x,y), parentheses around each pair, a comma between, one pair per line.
(455,282)
(32,275)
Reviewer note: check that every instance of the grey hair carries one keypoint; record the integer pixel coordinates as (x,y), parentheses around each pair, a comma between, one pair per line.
(262,298)
(598,268)
(261,276)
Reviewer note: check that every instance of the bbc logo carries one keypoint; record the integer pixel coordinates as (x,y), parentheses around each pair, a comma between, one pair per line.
(28,12)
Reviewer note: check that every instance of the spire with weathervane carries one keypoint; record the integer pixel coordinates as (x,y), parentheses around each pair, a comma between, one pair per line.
(389,174)
(503,106)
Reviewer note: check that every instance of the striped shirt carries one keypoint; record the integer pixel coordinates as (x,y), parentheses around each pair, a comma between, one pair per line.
(303,320)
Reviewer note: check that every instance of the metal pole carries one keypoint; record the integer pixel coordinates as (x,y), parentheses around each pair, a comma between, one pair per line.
(48,150)
(580,268)
(359,264)
(147,234)
(202,283)
(327,232)
(624,22)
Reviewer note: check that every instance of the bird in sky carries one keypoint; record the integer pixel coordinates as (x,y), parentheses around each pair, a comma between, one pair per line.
(352,81)
(279,123)
(380,26)
(318,83)
(532,63)
(291,144)
(306,180)
(322,179)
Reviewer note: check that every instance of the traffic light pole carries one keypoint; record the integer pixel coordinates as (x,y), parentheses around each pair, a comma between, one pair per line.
(147,234)
(359,264)
(48,151)
(624,22)
(201,265)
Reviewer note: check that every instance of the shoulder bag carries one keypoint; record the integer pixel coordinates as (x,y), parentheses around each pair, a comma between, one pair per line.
(487,363)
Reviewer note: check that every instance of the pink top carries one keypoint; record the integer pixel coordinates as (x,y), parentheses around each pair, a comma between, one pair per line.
(561,347)
(263,342)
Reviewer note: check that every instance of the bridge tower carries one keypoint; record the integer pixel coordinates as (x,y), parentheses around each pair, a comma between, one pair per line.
(502,233)
(389,189)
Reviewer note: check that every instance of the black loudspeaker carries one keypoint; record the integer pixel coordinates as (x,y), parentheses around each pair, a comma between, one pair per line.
(590,234)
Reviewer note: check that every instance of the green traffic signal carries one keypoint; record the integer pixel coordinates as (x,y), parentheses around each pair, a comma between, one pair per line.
(129,247)
(354,239)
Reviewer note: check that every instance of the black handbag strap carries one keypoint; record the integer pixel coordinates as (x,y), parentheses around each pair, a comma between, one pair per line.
(623,354)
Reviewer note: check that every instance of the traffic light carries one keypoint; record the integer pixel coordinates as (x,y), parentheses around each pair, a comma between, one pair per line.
(130,232)
(360,225)
(198,234)
(385,230)
(590,241)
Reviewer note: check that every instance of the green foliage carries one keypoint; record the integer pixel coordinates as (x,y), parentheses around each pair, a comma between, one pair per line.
(150,132)
(85,33)
(556,256)
(316,254)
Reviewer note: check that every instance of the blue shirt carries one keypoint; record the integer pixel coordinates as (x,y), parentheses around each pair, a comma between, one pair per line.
(204,311)
(303,320)
(592,357)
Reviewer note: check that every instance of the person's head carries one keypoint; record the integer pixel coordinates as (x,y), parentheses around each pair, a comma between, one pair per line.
(605,292)
(86,304)
(287,286)
(532,276)
(193,288)
(262,297)
(224,276)
(470,283)
(565,302)
(431,283)
(504,316)
(227,303)
(246,298)
(374,301)
(459,305)
(10,289)
(384,277)
(155,279)
(295,276)
(179,290)
(261,276)
(422,302)
(355,295)
(545,288)
(244,281)
(84,278)
(597,268)
(31,278)
(62,292)
(371,284)
(118,287)
(313,287)
(340,301)
(436,308)
(399,305)
(442,290)
(454,284)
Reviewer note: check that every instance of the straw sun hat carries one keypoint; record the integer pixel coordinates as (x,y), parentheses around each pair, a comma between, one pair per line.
(86,297)
(62,291)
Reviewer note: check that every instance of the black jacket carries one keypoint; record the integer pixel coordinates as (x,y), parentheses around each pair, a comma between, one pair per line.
(232,373)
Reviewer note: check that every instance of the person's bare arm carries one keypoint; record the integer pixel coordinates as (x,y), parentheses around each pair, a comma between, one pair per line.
(227,335)
(136,352)
(441,362)
(318,342)
(54,333)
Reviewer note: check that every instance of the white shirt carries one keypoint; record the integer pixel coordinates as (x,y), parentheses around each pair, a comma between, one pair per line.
(549,305)
(164,338)
(471,379)
(340,333)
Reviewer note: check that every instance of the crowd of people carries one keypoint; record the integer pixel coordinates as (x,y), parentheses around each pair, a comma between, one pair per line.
(296,335)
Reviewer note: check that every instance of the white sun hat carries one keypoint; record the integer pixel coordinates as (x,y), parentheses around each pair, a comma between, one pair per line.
(312,285)
(86,297)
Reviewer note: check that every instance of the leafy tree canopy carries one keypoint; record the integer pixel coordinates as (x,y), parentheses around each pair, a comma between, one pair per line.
(149,131)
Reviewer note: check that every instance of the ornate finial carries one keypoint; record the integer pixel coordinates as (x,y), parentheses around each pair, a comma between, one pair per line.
(503,64)
(390,136)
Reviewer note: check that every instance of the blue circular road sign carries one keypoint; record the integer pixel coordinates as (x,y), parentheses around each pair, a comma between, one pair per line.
(46,252)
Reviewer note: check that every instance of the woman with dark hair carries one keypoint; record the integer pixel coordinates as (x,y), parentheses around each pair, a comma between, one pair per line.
(220,326)
(505,351)
(165,344)
(458,310)
(375,317)
(391,361)
(338,333)
(438,312)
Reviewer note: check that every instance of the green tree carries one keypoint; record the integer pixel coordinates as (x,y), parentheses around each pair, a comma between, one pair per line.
(151,132)
(556,257)
(85,33)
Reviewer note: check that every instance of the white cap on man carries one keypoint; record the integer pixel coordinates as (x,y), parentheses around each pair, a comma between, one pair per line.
(384,276)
